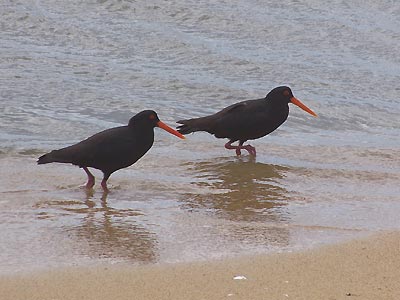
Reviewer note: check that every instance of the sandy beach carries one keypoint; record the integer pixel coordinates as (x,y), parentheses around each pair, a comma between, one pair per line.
(360,269)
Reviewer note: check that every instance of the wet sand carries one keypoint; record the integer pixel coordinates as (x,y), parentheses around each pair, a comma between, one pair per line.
(368,268)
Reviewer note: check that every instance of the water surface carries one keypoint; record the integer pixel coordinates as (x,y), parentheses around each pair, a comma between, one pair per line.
(71,69)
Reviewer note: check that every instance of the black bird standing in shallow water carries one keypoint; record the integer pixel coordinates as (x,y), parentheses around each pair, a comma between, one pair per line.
(111,149)
(247,120)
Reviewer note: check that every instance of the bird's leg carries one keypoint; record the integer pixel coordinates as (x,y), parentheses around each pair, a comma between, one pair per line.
(104,183)
(104,186)
(238,152)
(250,149)
(90,182)
(229,146)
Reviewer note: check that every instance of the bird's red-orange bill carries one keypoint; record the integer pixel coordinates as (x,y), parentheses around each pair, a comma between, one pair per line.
(297,102)
(169,129)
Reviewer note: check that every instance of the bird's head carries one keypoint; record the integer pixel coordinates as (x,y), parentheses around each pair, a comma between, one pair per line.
(283,94)
(149,118)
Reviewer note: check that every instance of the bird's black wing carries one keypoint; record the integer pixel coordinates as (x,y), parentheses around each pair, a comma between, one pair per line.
(232,121)
(225,120)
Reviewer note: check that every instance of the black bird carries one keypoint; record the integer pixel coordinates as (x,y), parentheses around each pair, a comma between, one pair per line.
(247,120)
(111,149)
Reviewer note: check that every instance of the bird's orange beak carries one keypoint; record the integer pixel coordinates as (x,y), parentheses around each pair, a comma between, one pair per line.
(169,129)
(297,102)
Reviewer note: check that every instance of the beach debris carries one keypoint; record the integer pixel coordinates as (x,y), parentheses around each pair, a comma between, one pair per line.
(239,277)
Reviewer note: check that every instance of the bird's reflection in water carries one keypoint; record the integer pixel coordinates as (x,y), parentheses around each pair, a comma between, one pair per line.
(106,232)
(239,189)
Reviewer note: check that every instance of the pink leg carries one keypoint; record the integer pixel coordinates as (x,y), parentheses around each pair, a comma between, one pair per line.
(238,152)
(104,183)
(249,148)
(91,180)
(229,146)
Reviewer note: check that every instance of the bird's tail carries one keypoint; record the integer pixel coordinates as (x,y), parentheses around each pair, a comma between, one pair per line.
(45,159)
(53,156)
(192,125)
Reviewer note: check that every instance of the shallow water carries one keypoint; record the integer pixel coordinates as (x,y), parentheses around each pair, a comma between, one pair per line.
(70,69)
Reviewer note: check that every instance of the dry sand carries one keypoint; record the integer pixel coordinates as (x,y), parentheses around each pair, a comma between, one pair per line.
(360,269)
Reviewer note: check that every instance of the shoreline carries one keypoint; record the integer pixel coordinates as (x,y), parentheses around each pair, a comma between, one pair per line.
(366,268)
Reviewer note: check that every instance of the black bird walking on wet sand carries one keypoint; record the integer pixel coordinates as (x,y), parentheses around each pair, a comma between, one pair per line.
(247,120)
(111,149)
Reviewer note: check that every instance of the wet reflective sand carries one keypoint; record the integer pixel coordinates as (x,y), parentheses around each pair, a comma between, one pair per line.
(183,210)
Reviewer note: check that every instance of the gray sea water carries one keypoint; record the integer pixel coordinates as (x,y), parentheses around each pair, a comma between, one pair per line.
(69,69)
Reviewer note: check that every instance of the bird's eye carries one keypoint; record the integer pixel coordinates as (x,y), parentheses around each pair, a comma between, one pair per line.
(286,93)
(152,117)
